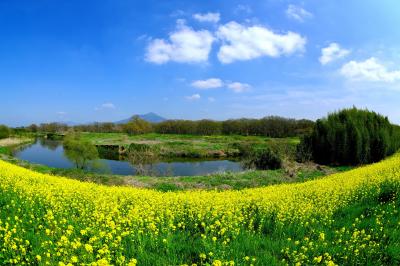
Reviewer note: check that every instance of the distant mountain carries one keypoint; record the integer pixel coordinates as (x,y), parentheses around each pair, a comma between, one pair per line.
(150,117)
(70,123)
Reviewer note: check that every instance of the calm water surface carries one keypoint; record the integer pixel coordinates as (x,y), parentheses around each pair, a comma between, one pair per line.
(51,153)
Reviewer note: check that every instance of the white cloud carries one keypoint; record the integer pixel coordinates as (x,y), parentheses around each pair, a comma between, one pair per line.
(211,99)
(239,87)
(298,13)
(61,113)
(369,70)
(207,17)
(244,43)
(332,53)
(184,45)
(193,97)
(212,83)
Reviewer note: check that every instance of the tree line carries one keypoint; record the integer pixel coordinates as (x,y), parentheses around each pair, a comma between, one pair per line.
(272,126)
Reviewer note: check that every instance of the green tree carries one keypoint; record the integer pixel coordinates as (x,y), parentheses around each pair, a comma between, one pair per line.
(81,152)
(137,126)
(4,132)
(352,137)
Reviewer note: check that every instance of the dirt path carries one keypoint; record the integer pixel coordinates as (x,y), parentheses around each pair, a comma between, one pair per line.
(12,141)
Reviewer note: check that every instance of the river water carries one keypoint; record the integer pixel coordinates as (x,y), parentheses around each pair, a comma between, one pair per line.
(51,153)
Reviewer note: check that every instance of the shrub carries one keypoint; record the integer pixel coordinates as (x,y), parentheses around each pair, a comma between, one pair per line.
(304,150)
(4,132)
(263,159)
(245,148)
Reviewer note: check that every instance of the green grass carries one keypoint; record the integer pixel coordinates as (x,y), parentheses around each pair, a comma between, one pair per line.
(5,150)
(191,146)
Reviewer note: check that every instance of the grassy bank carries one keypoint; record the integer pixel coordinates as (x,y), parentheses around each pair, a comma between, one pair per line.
(344,219)
(291,173)
(7,145)
(190,146)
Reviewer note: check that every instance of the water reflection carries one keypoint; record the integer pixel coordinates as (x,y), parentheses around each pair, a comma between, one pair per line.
(51,153)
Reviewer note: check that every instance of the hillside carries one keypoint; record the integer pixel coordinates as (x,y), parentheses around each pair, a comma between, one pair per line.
(347,218)
(149,117)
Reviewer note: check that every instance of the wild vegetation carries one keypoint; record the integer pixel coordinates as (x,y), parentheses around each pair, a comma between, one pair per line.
(4,132)
(351,137)
(349,218)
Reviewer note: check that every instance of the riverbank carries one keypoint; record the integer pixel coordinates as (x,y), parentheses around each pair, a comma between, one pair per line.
(8,144)
(291,173)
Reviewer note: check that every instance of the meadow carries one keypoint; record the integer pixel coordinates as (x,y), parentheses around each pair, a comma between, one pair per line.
(347,218)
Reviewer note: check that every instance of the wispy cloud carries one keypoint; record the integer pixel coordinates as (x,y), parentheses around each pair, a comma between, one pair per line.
(332,53)
(243,9)
(104,106)
(212,83)
(298,13)
(239,87)
(193,97)
(207,17)
(184,45)
(216,83)
(242,42)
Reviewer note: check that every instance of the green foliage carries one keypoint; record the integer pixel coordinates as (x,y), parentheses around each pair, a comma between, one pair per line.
(263,159)
(4,132)
(139,147)
(137,126)
(352,137)
(273,126)
(5,150)
(304,150)
(245,148)
(81,152)
(52,128)
(167,187)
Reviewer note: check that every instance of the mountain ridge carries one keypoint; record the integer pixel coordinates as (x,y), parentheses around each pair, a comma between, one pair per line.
(149,117)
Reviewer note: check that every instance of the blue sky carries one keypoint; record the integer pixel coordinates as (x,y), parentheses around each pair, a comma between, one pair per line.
(106,60)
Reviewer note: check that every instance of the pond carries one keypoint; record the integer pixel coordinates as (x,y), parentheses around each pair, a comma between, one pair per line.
(51,153)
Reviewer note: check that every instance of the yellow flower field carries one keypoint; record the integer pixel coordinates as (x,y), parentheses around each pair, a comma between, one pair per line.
(50,220)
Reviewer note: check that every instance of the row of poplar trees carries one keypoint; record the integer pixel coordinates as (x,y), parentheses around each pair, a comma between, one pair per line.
(352,137)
